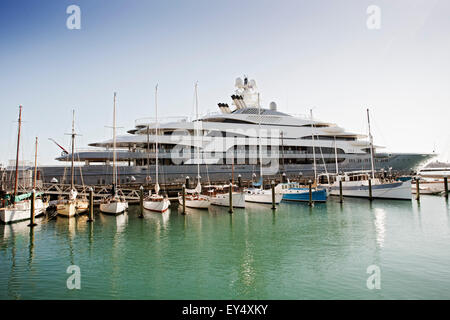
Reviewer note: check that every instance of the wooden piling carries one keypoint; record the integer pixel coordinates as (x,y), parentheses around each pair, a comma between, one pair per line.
(91,205)
(310,193)
(239,181)
(370,190)
(341,196)
(183,190)
(141,201)
(446,186)
(272,184)
(417,189)
(32,208)
(230,210)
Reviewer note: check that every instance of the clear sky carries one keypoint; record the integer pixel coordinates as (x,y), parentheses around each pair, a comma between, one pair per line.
(302,54)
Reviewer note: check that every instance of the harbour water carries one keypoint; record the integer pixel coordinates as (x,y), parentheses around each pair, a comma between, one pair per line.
(296,252)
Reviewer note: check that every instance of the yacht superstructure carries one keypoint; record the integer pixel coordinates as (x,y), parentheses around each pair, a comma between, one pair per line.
(230,137)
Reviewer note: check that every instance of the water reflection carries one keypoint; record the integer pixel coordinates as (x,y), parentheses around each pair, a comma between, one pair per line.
(380,225)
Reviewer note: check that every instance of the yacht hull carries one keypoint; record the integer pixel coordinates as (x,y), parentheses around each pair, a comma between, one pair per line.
(434,187)
(262,196)
(113,207)
(72,208)
(302,195)
(157,206)
(22,211)
(224,200)
(395,190)
(197,204)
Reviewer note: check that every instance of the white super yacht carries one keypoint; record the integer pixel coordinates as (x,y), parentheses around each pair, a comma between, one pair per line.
(230,137)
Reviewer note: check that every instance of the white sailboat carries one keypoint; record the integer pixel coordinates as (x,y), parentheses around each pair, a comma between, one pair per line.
(72,205)
(220,196)
(20,207)
(194,198)
(114,204)
(356,183)
(156,202)
(258,194)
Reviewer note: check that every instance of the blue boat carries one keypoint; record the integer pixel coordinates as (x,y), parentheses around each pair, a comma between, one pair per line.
(293,192)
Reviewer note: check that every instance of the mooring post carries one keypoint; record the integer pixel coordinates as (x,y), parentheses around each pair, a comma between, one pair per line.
(272,184)
(187,182)
(141,201)
(32,208)
(230,194)
(341,196)
(183,190)
(446,186)
(239,181)
(91,205)
(310,193)
(370,189)
(417,189)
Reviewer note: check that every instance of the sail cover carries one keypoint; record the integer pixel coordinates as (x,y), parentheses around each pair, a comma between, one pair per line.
(198,188)
(25,196)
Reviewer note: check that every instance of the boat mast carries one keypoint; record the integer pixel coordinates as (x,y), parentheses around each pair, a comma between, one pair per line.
(282,150)
(35,164)
(148,152)
(371,145)
(196,133)
(313,146)
(335,155)
(73,149)
(156,140)
(17,154)
(114,146)
(259,142)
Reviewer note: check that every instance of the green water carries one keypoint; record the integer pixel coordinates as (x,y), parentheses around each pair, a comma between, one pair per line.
(294,253)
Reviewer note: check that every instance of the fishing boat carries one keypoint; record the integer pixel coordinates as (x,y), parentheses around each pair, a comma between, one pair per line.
(156,202)
(72,205)
(293,191)
(114,204)
(356,183)
(194,197)
(18,207)
(219,195)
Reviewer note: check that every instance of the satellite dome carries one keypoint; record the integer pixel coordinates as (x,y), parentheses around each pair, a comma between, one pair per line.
(239,83)
(252,83)
(273,106)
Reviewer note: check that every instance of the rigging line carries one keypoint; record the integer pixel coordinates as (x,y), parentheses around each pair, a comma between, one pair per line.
(323,160)
(81,172)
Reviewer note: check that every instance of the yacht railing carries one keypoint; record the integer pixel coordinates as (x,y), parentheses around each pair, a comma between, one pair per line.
(143,122)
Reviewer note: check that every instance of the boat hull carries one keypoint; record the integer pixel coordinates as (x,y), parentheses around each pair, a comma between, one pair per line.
(157,206)
(22,211)
(262,196)
(395,190)
(434,187)
(197,204)
(302,195)
(113,207)
(224,200)
(72,208)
